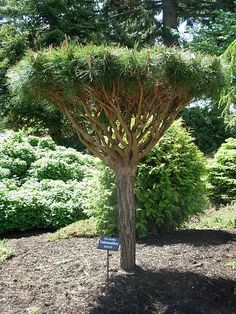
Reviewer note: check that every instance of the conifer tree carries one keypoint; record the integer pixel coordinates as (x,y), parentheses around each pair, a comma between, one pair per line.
(120,103)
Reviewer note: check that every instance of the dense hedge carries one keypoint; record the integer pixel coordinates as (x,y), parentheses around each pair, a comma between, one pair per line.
(169,188)
(222,174)
(42,185)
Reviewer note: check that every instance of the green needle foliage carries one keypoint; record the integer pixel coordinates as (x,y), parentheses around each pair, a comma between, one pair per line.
(71,68)
(222,174)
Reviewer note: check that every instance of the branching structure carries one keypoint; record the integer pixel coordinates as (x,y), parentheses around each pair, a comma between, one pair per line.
(120,102)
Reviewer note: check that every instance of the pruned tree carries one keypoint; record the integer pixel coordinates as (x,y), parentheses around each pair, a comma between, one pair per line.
(120,102)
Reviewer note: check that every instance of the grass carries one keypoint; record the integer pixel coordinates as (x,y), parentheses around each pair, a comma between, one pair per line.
(82,228)
(5,251)
(33,310)
(232,265)
(223,218)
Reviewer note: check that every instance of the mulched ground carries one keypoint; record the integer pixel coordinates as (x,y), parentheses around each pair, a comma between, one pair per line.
(183,272)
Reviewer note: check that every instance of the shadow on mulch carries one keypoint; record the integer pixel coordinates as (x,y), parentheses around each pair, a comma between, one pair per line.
(193,237)
(24,234)
(166,292)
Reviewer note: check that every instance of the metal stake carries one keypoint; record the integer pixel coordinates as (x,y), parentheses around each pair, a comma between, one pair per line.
(108,254)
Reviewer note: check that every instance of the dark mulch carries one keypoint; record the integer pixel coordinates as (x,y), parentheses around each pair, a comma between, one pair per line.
(183,272)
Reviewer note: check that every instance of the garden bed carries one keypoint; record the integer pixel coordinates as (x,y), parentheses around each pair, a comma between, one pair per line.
(181,272)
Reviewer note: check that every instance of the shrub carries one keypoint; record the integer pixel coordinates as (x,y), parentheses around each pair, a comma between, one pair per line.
(225,218)
(232,265)
(5,250)
(83,228)
(222,174)
(45,204)
(169,188)
(17,147)
(42,185)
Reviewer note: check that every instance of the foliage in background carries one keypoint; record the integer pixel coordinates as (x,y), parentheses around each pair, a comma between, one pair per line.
(130,23)
(228,99)
(169,187)
(42,185)
(5,250)
(144,22)
(216,36)
(207,126)
(222,174)
(34,25)
(223,218)
(86,228)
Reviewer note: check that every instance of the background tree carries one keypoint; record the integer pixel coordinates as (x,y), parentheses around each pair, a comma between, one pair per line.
(214,37)
(208,127)
(145,21)
(33,25)
(120,103)
(228,99)
(130,23)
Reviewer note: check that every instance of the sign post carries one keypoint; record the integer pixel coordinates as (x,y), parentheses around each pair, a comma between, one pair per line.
(108,255)
(108,244)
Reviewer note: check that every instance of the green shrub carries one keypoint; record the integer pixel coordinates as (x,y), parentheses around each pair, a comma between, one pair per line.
(170,187)
(225,218)
(4,173)
(170,184)
(45,204)
(5,250)
(222,174)
(51,168)
(17,147)
(83,228)
(232,265)
(43,186)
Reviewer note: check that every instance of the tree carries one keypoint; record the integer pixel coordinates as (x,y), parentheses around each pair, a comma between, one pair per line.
(216,36)
(120,102)
(228,97)
(177,11)
(33,24)
(170,187)
(130,23)
(207,126)
(135,21)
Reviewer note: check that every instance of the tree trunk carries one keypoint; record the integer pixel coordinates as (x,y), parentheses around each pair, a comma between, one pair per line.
(170,22)
(125,178)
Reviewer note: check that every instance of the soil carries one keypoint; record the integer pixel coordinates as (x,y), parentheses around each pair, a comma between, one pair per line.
(184,272)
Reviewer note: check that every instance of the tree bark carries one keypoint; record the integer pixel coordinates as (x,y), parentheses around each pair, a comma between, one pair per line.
(170,22)
(125,178)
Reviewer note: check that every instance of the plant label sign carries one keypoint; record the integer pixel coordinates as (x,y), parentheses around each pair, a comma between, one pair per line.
(109,243)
